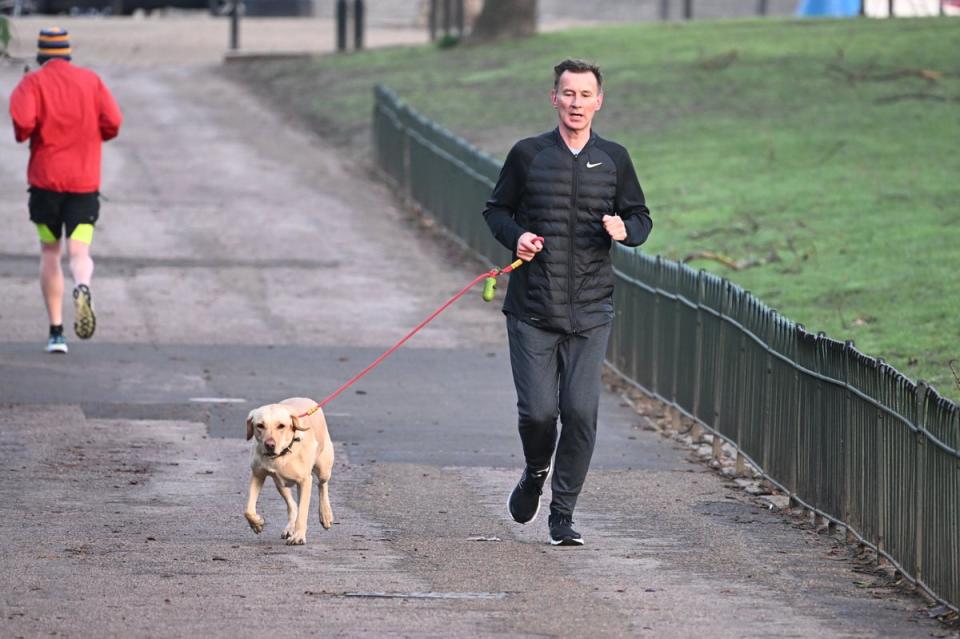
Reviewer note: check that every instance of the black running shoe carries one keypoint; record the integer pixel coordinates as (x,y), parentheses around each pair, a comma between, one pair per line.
(85,321)
(562,532)
(524,503)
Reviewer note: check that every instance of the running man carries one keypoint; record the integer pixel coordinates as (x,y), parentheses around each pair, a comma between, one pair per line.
(67,113)
(560,202)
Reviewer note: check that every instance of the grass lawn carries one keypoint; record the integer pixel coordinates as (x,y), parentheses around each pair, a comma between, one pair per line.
(822,157)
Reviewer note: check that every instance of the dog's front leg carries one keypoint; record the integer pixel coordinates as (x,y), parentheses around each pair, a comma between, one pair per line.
(326,513)
(287,495)
(300,527)
(255,520)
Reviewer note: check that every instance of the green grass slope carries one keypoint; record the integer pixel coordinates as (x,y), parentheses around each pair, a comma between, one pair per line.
(815,163)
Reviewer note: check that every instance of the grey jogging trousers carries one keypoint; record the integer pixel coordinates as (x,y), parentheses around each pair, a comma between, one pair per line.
(558,375)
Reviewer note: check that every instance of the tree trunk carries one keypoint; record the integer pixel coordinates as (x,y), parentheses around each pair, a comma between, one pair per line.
(503,19)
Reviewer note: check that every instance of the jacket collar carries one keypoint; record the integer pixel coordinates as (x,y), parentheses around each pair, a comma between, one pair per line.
(563,144)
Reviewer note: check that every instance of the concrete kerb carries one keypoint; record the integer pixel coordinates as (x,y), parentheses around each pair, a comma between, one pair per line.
(243,57)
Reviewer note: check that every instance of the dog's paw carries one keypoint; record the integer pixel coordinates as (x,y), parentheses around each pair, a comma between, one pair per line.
(256,522)
(287,533)
(297,538)
(326,517)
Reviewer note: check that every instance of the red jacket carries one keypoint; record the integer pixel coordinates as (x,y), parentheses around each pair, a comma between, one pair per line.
(67,112)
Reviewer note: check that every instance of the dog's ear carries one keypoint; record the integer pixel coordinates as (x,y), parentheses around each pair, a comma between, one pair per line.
(250,418)
(297,424)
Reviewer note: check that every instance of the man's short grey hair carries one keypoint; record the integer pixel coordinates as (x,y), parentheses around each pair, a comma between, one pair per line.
(574,65)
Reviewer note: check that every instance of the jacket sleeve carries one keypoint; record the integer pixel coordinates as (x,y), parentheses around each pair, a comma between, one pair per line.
(110,116)
(500,212)
(631,204)
(23,110)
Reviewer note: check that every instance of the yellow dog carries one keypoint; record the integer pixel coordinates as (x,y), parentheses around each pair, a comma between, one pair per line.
(290,446)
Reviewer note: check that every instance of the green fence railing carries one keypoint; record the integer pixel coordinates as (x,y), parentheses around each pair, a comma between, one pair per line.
(844,434)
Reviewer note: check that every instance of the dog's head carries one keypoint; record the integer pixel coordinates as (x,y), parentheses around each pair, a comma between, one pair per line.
(274,426)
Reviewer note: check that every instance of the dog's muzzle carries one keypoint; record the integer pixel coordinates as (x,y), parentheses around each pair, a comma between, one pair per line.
(284,451)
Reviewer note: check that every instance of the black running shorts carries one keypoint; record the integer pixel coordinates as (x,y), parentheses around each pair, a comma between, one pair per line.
(56,210)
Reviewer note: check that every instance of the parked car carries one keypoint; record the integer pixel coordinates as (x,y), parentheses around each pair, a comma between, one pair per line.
(127,7)
(115,7)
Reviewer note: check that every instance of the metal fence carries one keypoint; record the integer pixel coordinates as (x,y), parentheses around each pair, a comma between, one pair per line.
(844,434)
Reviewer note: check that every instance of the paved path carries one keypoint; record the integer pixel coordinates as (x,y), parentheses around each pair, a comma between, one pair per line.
(242,258)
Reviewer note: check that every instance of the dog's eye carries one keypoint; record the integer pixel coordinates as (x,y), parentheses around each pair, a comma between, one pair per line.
(281,426)
(259,426)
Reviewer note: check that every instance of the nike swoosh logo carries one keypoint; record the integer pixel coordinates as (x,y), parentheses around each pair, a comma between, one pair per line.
(590,166)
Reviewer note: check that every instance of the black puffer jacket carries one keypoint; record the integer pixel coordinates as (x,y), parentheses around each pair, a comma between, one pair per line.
(545,189)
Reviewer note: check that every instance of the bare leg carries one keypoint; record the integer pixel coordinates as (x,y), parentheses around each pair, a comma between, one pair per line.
(287,495)
(81,264)
(255,520)
(51,281)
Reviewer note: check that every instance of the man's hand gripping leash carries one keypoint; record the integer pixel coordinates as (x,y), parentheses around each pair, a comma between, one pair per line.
(527,249)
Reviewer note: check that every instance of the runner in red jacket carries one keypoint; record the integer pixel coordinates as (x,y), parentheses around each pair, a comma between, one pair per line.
(67,113)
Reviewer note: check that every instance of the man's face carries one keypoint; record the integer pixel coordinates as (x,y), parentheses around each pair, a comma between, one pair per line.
(577,99)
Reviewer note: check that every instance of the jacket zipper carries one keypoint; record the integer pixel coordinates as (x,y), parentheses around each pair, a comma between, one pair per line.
(572,224)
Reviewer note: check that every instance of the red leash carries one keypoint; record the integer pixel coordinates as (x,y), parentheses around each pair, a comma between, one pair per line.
(489,274)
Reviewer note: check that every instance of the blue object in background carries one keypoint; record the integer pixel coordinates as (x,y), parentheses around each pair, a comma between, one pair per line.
(837,8)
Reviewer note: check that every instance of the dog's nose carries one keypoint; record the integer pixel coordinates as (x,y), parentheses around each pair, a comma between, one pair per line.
(270,444)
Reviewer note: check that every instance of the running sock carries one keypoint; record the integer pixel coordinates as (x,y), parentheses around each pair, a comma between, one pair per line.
(56,330)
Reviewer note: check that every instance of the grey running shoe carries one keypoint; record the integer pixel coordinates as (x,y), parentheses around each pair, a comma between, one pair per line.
(56,344)
(85,320)
(524,503)
(562,532)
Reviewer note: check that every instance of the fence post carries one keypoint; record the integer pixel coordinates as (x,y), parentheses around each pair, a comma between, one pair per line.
(696,432)
(847,436)
(795,474)
(954,427)
(762,6)
(664,9)
(688,9)
(878,441)
(407,185)
(235,25)
(821,426)
(741,466)
(447,18)
(432,20)
(676,345)
(768,389)
(358,15)
(717,400)
(341,8)
(658,278)
(919,467)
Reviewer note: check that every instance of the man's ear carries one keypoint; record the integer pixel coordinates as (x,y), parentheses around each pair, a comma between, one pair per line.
(250,418)
(553,98)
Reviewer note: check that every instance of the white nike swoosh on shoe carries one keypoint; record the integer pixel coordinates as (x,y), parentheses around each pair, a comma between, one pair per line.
(567,541)
(591,166)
